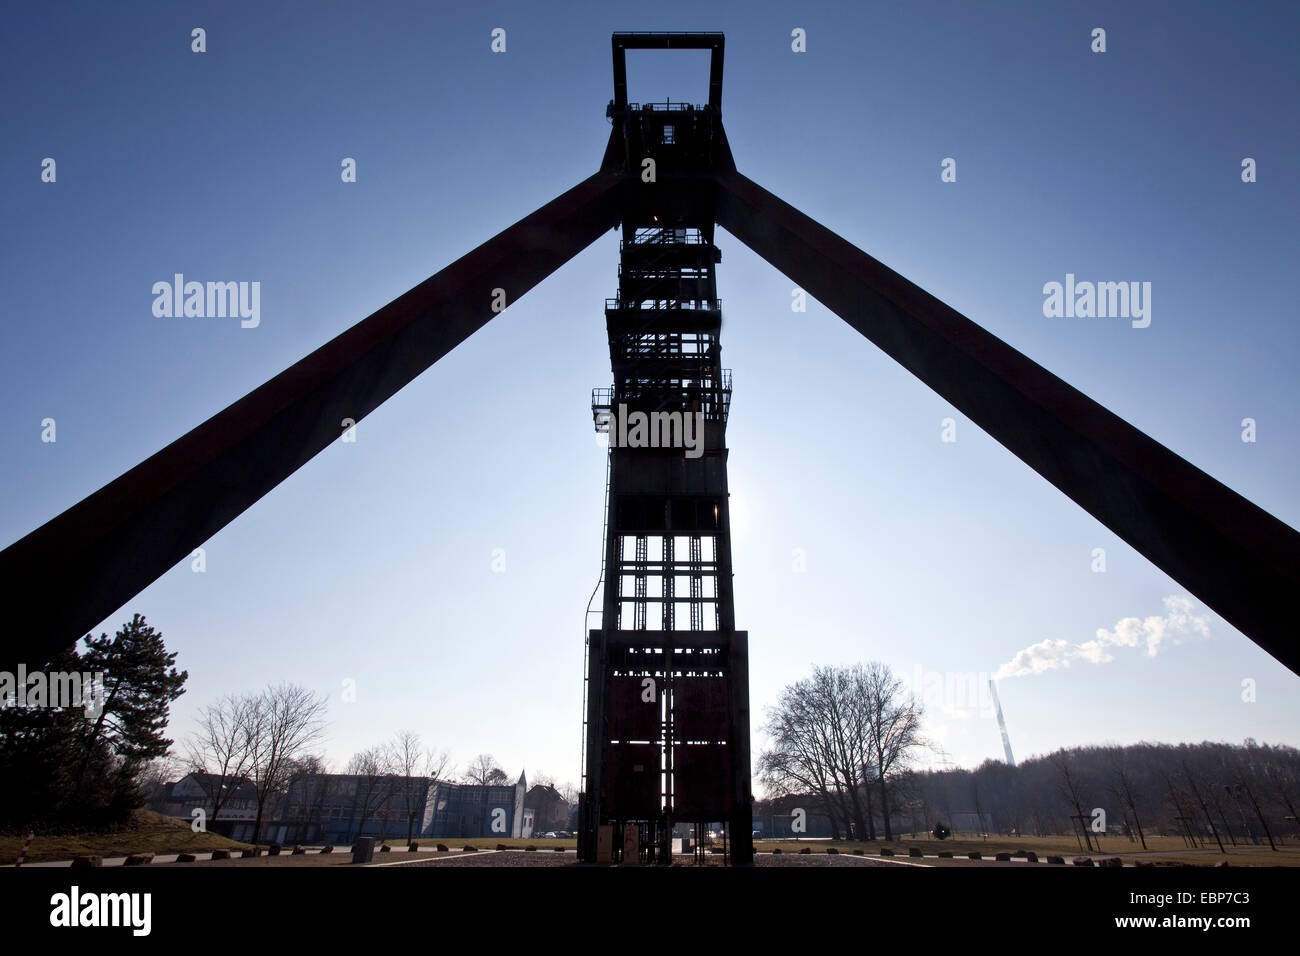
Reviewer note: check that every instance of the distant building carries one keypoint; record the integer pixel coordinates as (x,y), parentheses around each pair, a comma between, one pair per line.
(548,809)
(776,819)
(471,810)
(200,791)
(338,808)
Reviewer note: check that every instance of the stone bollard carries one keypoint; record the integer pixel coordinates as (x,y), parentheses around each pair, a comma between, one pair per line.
(1031,856)
(776,851)
(1002,857)
(470,849)
(1082,861)
(806,850)
(830,851)
(186,858)
(221,854)
(1110,861)
(139,859)
(298,850)
(363,851)
(1056,859)
(859,852)
(914,851)
(945,854)
(443,848)
(249,852)
(559,849)
(327,848)
(385,849)
(502,846)
(273,849)
(975,855)
(530,849)
(89,860)
(413,847)
(886,851)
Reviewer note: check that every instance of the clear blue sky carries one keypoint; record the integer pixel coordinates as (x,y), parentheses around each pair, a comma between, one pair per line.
(374,562)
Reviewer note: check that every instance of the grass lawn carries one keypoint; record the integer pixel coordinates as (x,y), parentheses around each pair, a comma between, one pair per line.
(149,832)
(457,844)
(145,832)
(1159,848)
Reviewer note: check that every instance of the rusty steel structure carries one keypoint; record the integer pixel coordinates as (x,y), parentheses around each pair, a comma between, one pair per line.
(667,537)
(667,686)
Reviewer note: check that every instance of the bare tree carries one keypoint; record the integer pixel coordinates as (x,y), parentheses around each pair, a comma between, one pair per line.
(892,724)
(1186,823)
(796,762)
(413,765)
(156,774)
(818,747)
(1072,790)
(284,722)
(1196,793)
(220,754)
(484,772)
(375,783)
(437,764)
(1243,786)
(407,756)
(1124,791)
(307,799)
(1282,783)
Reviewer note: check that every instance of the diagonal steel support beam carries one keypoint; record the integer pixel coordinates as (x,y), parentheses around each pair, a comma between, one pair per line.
(1237,558)
(71,573)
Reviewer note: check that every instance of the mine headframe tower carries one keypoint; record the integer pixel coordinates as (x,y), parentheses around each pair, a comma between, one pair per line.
(668,176)
(667,720)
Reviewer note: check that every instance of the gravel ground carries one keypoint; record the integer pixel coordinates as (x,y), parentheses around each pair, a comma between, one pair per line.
(810,859)
(500,858)
(521,858)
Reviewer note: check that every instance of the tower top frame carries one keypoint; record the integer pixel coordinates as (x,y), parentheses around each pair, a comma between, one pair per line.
(622,42)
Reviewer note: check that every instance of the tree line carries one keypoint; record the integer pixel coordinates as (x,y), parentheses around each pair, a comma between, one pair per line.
(1209,793)
(846,740)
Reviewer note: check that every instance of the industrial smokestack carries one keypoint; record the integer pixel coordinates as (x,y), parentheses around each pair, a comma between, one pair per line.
(1002,724)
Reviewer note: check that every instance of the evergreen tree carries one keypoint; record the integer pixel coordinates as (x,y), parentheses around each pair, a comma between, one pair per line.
(70,767)
(140,683)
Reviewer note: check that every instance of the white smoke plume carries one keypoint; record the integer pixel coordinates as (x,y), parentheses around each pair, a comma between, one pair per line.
(1179,622)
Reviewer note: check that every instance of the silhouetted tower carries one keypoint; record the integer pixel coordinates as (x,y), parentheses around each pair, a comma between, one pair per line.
(667,735)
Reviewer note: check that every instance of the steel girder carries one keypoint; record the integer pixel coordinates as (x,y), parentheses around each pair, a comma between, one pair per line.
(74,571)
(1234,556)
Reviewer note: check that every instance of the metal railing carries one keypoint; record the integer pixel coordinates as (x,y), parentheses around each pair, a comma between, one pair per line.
(668,106)
(663,305)
(665,235)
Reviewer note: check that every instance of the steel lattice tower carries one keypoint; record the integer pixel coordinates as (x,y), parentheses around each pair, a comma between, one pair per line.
(667,728)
